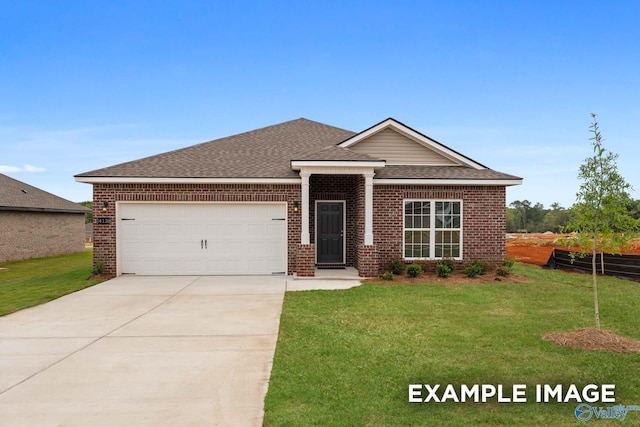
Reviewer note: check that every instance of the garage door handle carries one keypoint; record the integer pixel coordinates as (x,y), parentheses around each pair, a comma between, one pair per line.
(201,244)
(205,244)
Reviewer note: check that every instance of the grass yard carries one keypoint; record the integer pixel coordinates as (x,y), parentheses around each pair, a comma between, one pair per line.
(346,358)
(36,281)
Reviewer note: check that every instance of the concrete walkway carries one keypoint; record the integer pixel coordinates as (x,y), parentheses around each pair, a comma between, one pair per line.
(143,351)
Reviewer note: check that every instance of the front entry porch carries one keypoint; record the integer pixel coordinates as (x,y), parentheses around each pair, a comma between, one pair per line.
(337,223)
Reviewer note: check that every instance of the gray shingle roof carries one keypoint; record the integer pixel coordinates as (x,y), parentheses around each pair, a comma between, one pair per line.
(261,153)
(335,153)
(16,195)
(268,152)
(439,172)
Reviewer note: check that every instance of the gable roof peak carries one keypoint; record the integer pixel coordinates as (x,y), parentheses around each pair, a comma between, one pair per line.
(417,137)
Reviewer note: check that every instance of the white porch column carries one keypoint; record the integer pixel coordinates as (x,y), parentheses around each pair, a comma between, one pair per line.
(368,208)
(305,237)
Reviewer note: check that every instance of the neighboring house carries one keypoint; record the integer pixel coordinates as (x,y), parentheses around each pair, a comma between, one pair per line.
(34,223)
(295,196)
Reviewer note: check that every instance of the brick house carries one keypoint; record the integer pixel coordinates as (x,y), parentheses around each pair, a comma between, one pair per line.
(34,223)
(295,196)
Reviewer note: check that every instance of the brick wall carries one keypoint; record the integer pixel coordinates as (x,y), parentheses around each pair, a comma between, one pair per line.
(483,214)
(25,235)
(483,227)
(104,236)
(368,261)
(306,261)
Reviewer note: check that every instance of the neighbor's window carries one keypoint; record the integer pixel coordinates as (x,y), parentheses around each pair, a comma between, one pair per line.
(432,229)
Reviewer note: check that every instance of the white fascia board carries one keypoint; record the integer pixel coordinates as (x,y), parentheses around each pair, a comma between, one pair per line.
(500,182)
(419,138)
(141,180)
(299,164)
(367,133)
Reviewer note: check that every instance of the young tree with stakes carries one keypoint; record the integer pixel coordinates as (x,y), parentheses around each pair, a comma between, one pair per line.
(600,216)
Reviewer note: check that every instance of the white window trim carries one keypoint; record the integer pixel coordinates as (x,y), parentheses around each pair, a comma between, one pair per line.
(432,229)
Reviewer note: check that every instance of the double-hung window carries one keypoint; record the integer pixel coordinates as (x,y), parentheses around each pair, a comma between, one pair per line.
(432,229)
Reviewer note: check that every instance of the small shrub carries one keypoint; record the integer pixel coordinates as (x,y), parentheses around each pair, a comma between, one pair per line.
(509,262)
(387,275)
(99,268)
(472,270)
(443,270)
(414,269)
(481,266)
(449,262)
(396,266)
(503,271)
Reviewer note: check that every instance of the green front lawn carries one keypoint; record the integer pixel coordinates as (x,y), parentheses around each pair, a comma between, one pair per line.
(346,358)
(36,281)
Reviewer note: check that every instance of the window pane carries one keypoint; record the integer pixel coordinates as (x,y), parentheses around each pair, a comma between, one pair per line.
(407,251)
(455,237)
(408,207)
(425,251)
(438,251)
(456,208)
(425,237)
(408,237)
(408,223)
(456,222)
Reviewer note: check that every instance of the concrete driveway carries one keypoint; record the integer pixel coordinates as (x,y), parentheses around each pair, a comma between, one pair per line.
(143,351)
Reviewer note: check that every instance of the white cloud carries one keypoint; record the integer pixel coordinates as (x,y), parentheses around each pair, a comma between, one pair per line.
(35,169)
(9,169)
(26,168)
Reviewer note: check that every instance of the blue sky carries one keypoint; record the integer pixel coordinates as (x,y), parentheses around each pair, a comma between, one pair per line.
(510,84)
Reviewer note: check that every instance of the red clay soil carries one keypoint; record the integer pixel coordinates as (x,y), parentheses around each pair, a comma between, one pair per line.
(536,248)
(593,339)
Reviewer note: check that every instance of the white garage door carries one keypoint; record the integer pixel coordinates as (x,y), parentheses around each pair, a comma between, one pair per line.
(202,238)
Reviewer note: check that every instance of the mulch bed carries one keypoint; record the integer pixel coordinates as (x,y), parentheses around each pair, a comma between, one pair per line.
(593,339)
(457,277)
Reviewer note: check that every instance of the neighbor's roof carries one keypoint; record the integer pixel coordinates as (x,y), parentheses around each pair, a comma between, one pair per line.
(18,196)
(267,153)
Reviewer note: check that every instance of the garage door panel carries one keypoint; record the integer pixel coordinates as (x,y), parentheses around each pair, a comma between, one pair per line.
(241,238)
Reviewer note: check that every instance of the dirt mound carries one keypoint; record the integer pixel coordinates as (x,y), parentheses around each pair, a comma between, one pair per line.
(593,339)
(537,248)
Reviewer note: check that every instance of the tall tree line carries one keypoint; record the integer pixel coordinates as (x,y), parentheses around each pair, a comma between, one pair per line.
(535,218)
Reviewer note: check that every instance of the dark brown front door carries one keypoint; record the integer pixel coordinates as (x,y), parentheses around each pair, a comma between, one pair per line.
(330,237)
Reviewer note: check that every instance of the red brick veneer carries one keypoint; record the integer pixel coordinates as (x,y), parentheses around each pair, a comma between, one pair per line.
(105,235)
(483,215)
(483,226)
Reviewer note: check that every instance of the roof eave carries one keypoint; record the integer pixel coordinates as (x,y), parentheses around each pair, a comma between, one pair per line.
(298,164)
(49,210)
(447,181)
(181,180)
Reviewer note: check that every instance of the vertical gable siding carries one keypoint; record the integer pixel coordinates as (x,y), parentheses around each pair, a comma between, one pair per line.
(396,148)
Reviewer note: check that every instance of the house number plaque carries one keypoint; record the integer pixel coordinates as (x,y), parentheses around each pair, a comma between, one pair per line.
(103,220)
